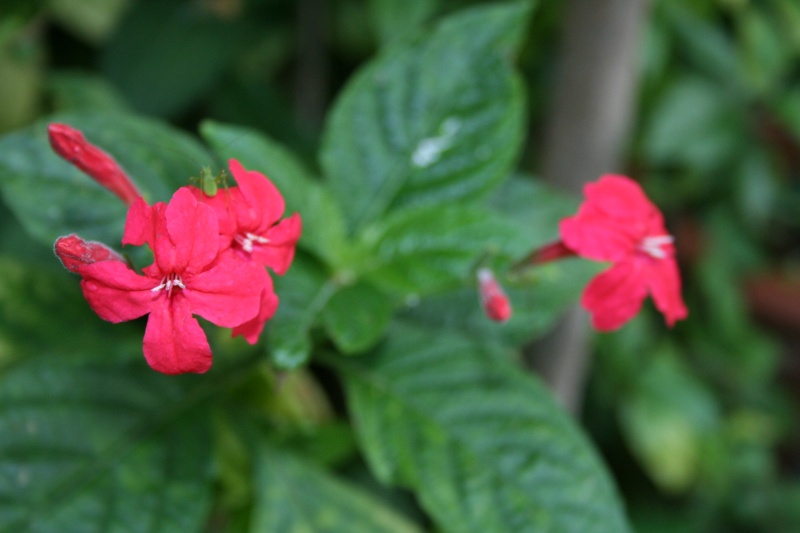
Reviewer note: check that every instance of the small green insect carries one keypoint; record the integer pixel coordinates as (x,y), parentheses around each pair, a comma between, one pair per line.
(209,183)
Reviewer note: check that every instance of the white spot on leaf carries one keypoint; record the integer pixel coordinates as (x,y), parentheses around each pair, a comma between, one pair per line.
(430,149)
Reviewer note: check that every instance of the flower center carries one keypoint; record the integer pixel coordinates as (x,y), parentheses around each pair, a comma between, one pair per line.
(652,245)
(168,282)
(246,240)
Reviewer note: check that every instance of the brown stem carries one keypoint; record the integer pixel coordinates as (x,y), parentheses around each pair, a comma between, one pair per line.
(587,131)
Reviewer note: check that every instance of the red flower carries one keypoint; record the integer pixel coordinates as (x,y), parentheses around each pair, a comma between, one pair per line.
(618,223)
(250,226)
(495,303)
(250,219)
(70,144)
(188,277)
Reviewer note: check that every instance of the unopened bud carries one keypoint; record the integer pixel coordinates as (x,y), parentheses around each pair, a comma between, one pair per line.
(75,253)
(70,144)
(494,300)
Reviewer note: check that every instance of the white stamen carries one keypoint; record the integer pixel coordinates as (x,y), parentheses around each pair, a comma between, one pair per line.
(246,241)
(168,282)
(652,245)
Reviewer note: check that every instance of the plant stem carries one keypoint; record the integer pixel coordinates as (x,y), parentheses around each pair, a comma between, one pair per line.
(588,127)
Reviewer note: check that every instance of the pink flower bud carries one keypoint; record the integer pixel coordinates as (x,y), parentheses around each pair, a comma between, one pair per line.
(70,144)
(75,253)
(495,303)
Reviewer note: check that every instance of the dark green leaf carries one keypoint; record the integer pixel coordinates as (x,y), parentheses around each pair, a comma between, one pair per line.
(100,447)
(666,419)
(91,19)
(357,316)
(42,311)
(694,123)
(304,291)
(293,495)
(483,445)
(52,198)
(534,207)
(323,222)
(166,54)
(76,91)
(423,249)
(704,44)
(434,121)
(538,301)
(394,21)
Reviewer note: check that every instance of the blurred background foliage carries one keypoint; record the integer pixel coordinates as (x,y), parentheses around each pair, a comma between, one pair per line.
(700,424)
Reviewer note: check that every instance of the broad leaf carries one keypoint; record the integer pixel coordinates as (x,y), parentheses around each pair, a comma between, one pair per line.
(357,316)
(323,222)
(52,198)
(535,207)
(304,291)
(438,120)
(432,248)
(538,300)
(100,447)
(293,495)
(165,55)
(42,310)
(483,445)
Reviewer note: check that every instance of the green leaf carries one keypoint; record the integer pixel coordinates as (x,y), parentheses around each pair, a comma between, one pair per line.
(402,133)
(42,310)
(295,496)
(323,222)
(429,248)
(483,445)
(694,123)
(52,198)
(100,447)
(535,207)
(537,301)
(766,58)
(93,20)
(77,91)
(304,291)
(704,43)
(165,55)
(666,420)
(394,21)
(357,316)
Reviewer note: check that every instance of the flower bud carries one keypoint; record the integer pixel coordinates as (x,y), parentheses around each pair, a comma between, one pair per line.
(70,144)
(75,253)
(495,303)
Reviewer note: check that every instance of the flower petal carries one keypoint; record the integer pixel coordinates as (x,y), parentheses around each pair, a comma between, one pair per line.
(263,203)
(174,342)
(220,203)
(597,237)
(252,329)
(115,292)
(613,220)
(664,282)
(139,224)
(279,251)
(229,293)
(619,197)
(191,242)
(615,295)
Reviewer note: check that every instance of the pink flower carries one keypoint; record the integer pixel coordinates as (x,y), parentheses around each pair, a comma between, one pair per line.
(75,253)
(70,144)
(188,277)
(618,223)
(495,303)
(251,228)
